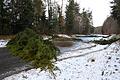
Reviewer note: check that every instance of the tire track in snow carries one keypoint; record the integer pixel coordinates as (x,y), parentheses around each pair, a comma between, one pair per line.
(83,54)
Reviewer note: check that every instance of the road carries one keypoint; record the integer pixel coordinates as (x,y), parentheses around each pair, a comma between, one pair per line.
(9,64)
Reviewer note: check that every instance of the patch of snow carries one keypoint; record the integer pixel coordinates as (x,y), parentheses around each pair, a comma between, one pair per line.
(46,37)
(100,35)
(64,35)
(93,37)
(101,65)
(88,39)
(82,52)
(3,43)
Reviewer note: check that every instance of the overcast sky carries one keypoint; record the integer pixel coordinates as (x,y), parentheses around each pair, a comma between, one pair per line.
(100,9)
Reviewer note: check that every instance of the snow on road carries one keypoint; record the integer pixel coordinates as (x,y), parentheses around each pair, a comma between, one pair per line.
(3,43)
(101,65)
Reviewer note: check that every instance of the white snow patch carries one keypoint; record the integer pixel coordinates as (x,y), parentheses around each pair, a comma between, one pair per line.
(64,35)
(3,43)
(93,37)
(46,37)
(88,39)
(101,65)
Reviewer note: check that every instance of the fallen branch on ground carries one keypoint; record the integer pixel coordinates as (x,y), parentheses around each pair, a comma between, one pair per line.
(104,42)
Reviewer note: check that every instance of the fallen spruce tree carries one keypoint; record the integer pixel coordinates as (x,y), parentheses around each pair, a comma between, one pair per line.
(108,41)
(32,48)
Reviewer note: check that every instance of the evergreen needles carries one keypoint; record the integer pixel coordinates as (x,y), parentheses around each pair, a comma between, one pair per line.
(32,48)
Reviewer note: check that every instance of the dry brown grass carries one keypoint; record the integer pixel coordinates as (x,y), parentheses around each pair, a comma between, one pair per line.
(7,36)
(63,42)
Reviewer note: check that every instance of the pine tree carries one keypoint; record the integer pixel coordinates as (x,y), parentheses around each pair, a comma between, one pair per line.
(76,8)
(55,16)
(38,14)
(70,16)
(61,25)
(22,14)
(87,21)
(61,20)
(52,16)
(38,11)
(44,22)
(116,10)
(5,18)
(1,14)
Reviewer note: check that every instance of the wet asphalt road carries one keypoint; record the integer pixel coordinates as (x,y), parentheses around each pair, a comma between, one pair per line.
(9,63)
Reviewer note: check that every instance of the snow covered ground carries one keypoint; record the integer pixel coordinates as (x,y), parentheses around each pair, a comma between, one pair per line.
(96,62)
(3,43)
(93,37)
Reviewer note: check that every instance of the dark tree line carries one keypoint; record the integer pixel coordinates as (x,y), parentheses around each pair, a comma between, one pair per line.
(17,15)
(4,17)
(116,10)
(81,22)
(87,22)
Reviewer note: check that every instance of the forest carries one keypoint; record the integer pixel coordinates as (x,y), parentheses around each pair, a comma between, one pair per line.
(44,17)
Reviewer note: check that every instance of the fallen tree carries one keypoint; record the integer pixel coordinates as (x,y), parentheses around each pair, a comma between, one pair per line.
(107,41)
(32,48)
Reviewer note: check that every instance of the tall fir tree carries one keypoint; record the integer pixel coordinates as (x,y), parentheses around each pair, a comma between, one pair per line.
(1,14)
(52,16)
(61,28)
(44,23)
(70,16)
(5,18)
(76,8)
(38,14)
(116,10)
(22,14)
(87,21)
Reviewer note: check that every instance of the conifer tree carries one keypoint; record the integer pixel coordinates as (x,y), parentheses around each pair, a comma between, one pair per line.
(1,14)
(5,18)
(22,14)
(38,15)
(116,10)
(70,16)
(87,21)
